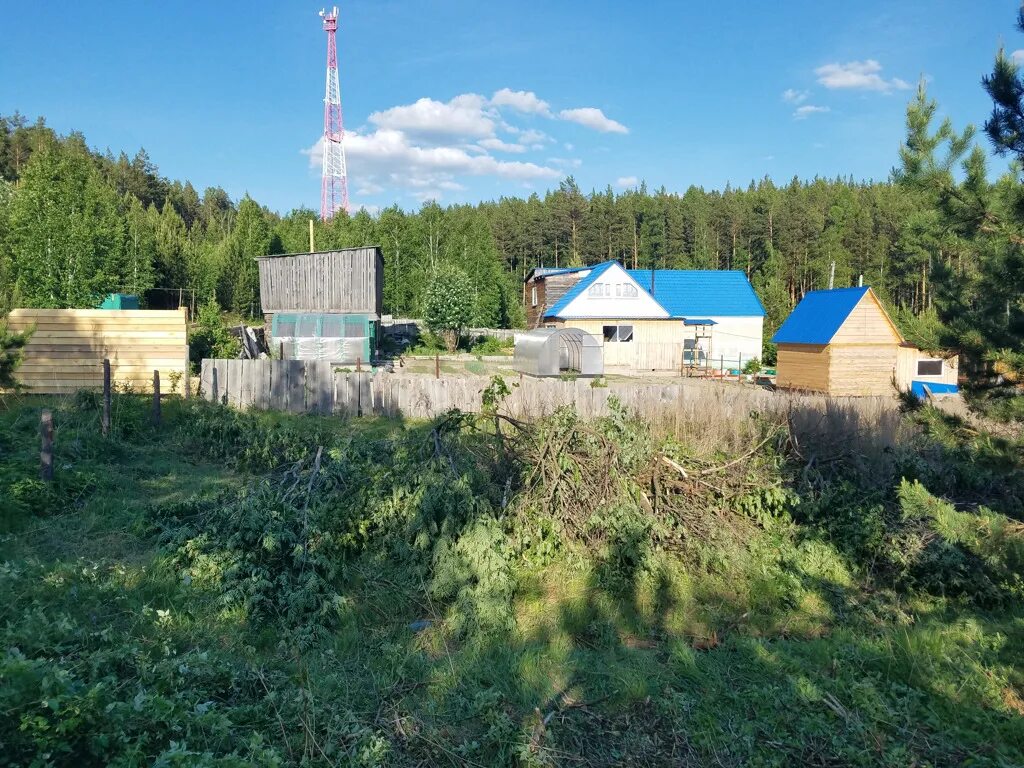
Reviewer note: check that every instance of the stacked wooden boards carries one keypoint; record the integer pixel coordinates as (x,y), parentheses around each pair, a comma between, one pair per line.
(66,350)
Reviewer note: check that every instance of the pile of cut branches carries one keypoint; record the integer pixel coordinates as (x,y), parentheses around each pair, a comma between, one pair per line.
(576,470)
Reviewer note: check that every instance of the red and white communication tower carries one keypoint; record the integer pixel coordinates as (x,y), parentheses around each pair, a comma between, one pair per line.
(334,183)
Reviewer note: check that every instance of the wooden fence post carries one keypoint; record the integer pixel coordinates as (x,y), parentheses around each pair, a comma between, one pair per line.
(105,420)
(359,364)
(46,450)
(156,398)
(437,366)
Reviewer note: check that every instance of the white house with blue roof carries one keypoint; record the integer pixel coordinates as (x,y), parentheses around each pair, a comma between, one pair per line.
(654,320)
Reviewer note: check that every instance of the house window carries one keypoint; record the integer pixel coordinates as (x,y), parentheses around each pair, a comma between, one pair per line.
(618,289)
(597,290)
(533,295)
(929,367)
(629,291)
(621,333)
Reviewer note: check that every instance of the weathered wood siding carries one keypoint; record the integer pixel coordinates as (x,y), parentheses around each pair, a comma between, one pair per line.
(803,366)
(316,387)
(550,289)
(535,310)
(350,280)
(68,346)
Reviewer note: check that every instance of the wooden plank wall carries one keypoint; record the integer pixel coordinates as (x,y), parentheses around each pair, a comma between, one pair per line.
(656,345)
(67,348)
(348,280)
(803,366)
(906,367)
(868,323)
(862,369)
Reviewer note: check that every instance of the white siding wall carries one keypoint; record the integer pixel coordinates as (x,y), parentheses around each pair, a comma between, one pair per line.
(735,336)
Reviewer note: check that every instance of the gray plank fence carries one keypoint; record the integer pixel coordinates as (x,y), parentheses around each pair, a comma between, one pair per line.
(302,386)
(407,324)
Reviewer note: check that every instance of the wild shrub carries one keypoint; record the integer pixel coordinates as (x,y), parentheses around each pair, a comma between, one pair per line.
(491,345)
(976,553)
(473,575)
(210,336)
(250,441)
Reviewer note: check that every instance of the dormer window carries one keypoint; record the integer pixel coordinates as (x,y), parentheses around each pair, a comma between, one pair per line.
(607,290)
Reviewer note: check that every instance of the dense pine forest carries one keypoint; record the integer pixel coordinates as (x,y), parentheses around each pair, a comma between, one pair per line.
(939,240)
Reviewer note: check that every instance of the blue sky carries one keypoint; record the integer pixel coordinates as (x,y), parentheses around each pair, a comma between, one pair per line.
(463,101)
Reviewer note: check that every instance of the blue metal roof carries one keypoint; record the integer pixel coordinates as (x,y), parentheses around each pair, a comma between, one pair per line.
(818,316)
(701,292)
(582,284)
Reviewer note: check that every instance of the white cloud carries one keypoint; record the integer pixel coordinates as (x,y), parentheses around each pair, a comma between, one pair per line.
(569,146)
(627,181)
(368,188)
(465,115)
(533,136)
(521,101)
(498,145)
(393,151)
(430,147)
(806,110)
(570,162)
(791,96)
(592,117)
(860,75)
(1018,56)
(389,159)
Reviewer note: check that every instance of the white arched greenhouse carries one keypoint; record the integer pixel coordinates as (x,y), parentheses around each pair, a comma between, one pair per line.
(554,351)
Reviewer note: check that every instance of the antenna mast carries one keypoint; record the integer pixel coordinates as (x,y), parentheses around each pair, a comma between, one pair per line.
(334,181)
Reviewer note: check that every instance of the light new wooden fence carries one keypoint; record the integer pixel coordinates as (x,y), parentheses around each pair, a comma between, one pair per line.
(68,346)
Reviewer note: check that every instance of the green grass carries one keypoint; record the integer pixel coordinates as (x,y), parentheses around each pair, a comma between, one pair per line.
(178,597)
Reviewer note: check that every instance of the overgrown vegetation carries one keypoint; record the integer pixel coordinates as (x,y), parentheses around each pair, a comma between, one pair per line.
(266,589)
(12,346)
(210,337)
(430,344)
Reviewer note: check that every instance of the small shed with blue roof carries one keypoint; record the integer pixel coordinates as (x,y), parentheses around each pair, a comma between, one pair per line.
(653,320)
(843,342)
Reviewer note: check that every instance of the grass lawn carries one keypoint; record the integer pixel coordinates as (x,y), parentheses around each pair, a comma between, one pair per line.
(210,593)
